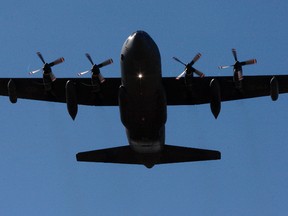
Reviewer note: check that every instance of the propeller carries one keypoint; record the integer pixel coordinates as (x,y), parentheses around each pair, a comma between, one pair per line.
(95,70)
(234,54)
(188,67)
(47,66)
(238,64)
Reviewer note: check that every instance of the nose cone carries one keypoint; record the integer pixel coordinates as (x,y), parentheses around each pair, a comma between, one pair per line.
(139,45)
(139,54)
(139,38)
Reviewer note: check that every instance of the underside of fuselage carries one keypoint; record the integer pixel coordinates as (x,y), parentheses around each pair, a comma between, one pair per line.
(141,97)
(143,111)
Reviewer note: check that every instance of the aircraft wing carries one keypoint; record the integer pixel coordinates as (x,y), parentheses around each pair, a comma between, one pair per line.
(34,89)
(176,91)
(200,93)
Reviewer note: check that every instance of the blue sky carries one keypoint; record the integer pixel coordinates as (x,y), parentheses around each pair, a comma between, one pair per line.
(39,172)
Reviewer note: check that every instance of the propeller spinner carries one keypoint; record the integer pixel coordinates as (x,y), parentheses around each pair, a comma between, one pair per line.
(47,67)
(95,70)
(188,67)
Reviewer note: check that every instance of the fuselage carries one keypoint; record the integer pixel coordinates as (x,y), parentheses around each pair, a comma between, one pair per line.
(142,99)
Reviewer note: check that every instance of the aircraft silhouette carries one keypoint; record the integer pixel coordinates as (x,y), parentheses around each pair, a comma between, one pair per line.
(143,95)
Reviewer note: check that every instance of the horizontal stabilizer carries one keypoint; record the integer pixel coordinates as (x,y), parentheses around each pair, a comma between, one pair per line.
(169,154)
(176,154)
(122,154)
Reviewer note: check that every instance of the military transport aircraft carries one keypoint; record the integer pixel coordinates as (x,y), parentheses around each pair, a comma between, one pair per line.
(142,95)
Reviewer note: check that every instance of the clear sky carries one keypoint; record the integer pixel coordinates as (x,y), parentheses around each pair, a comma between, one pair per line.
(39,172)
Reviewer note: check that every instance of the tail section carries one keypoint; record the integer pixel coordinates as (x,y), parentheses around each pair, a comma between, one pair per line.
(169,154)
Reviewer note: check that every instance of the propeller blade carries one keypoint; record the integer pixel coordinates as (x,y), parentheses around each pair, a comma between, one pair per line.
(84,72)
(52,77)
(251,61)
(107,62)
(226,66)
(89,58)
(176,59)
(41,57)
(195,59)
(101,78)
(35,71)
(199,73)
(181,75)
(234,54)
(57,61)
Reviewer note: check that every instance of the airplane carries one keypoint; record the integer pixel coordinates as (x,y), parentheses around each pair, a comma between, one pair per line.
(143,95)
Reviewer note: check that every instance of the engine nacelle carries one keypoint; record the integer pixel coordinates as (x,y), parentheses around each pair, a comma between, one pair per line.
(71,99)
(215,97)
(12,91)
(274,88)
(188,81)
